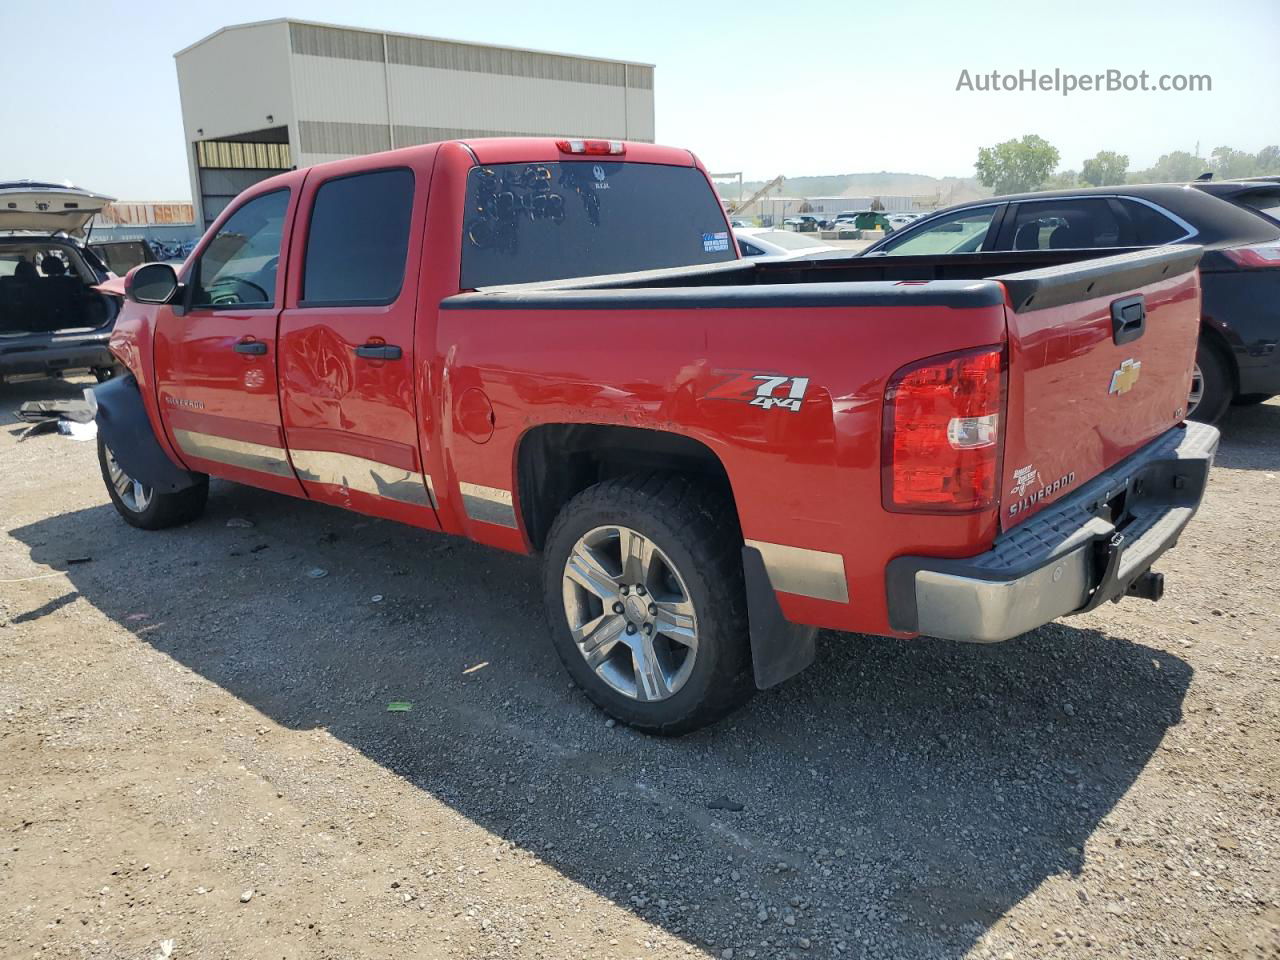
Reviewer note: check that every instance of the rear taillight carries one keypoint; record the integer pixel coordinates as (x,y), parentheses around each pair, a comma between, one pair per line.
(593,147)
(1262,255)
(942,444)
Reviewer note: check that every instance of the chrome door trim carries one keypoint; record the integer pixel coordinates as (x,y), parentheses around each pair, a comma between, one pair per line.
(488,504)
(235,453)
(368,476)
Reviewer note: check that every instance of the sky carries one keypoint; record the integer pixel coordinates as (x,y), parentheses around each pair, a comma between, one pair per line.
(801,88)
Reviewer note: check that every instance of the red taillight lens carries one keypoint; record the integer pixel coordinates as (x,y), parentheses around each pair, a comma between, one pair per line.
(593,147)
(942,432)
(1263,255)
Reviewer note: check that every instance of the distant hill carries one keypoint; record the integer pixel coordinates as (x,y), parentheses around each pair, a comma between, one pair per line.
(947,189)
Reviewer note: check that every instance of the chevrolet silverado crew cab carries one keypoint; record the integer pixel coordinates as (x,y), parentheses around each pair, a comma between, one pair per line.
(554,347)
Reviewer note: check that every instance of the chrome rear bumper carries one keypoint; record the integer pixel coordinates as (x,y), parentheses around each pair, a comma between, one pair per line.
(1083,550)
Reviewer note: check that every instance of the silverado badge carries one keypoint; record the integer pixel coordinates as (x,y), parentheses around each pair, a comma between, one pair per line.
(1123,379)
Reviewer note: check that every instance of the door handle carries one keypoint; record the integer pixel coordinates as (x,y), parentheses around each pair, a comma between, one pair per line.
(379,351)
(1128,318)
(255,348)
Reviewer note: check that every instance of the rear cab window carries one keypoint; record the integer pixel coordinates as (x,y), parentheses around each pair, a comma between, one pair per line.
(530,222)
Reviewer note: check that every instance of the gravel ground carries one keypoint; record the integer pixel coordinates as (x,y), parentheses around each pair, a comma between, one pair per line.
(197,759)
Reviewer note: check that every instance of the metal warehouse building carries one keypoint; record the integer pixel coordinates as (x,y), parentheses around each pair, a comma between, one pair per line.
(258,98)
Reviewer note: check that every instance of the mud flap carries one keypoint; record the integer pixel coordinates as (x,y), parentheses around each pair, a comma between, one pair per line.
(779,648)
(124,426)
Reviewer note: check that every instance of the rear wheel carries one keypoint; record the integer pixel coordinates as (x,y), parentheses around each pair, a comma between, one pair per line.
(644,591)
(142,506)
(1212,386)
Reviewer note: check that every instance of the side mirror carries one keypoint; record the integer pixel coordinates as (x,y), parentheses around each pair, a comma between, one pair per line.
(152,283)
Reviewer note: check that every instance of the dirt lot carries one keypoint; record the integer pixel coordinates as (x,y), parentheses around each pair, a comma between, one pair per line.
(196,757)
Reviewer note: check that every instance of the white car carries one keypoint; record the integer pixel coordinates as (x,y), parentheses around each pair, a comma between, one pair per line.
(764,242)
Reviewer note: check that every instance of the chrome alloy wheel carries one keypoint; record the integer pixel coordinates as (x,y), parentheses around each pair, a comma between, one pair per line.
(630,613)
(132,493)
(1197,390)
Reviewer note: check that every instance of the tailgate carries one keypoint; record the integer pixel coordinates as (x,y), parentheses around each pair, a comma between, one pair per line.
(1100,360)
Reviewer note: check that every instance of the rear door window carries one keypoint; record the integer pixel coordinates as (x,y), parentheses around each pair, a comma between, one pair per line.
(1064,225)
(358,239)
(965,231)
(1148,226)
(528,222)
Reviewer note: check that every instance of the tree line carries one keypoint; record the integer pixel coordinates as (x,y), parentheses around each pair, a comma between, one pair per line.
(1031,163)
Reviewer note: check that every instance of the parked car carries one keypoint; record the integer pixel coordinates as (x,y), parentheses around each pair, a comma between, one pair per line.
(53,320)
(1237,222)
(763,242)
(780,445)
(737,222)
(803,223)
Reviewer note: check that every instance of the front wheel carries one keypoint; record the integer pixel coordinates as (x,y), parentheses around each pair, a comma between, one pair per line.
(644,591)
(143,506)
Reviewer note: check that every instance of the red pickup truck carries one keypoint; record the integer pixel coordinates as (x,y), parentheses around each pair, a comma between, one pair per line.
(553,346)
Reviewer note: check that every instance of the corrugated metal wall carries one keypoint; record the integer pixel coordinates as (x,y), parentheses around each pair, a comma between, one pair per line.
(360,92)
(317,41)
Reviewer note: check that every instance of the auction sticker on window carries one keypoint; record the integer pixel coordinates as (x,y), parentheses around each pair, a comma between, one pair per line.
(715,242)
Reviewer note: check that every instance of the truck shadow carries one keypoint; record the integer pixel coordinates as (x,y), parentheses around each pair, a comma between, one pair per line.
(1251,437)
(898,798)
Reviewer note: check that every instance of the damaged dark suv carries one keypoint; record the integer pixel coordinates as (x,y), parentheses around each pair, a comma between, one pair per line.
(53,319)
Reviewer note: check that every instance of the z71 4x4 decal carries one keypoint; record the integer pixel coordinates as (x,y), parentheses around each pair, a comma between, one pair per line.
(768,391)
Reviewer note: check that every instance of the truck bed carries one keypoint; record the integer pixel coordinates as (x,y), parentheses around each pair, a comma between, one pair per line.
(1068,362)
(852,269)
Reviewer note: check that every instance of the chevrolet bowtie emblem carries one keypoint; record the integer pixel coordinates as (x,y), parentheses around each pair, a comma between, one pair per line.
(1122,380)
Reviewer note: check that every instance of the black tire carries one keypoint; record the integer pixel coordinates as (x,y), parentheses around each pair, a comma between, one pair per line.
(161,510)
(1251,399)
(694,526)
(1219,385)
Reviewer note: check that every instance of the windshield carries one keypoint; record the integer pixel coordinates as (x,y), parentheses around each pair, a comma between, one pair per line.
(1266,201)
(528,222)
(122,256)
(962,232)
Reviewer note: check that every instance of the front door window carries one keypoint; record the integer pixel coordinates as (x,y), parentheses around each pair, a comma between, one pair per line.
(238,267)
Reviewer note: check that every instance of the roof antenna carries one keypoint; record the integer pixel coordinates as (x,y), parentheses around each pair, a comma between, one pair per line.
(1207,175)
